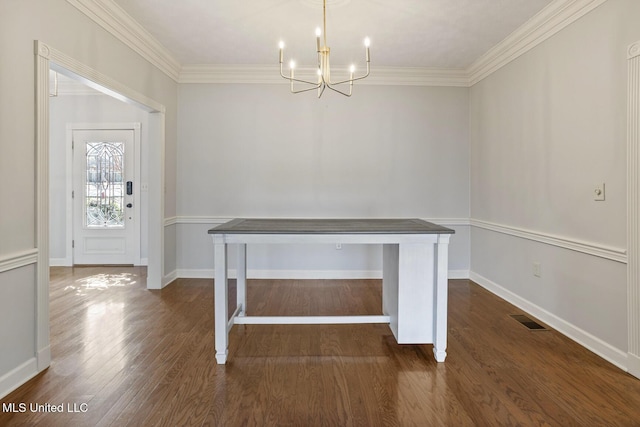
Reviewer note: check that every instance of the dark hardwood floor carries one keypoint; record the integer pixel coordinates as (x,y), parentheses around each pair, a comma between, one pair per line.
(129,356)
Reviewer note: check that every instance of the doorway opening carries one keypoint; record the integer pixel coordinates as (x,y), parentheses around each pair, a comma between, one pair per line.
(48,59)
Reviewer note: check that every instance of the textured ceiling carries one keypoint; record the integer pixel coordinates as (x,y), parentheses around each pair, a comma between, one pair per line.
(403,33)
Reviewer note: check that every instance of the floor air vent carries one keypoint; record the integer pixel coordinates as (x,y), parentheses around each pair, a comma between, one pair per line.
(528,323)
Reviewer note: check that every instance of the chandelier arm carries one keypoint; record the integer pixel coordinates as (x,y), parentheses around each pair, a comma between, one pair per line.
(364,76)
(296,80)
(339,91)
(305,90)
(316,84)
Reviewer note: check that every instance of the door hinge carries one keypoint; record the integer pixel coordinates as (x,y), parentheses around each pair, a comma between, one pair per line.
(73,244)
(73,194)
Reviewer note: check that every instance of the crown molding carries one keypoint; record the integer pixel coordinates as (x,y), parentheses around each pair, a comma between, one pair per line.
(266,74)
(117,22)
(550,20)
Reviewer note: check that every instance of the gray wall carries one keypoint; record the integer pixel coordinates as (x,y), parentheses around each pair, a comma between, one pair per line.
(257,150)
(545,130)
(61,26)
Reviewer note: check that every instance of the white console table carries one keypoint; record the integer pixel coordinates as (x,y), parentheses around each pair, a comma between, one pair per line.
(414,283)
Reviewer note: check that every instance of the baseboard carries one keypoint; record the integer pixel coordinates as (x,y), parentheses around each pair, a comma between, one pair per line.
(633,364)
(285,274)
(585,339)
(168,278)
(302,274)
(64,262)
(43,358)
(18,376)
(458,274)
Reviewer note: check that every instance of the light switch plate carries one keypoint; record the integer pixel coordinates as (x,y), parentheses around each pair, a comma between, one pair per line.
(598,193)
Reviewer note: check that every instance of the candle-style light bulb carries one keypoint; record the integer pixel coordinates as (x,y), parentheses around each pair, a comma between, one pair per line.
(292,64)
(367,43)
(318,34)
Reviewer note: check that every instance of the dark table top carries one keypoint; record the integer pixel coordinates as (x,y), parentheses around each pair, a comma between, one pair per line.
(329,226)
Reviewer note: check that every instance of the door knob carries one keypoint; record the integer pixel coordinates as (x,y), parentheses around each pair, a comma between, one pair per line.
(129,205)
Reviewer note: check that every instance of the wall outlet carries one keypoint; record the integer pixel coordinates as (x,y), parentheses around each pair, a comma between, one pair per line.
(537,269)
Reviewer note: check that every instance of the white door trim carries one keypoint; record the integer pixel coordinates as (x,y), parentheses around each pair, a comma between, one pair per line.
(47,58)
(135,127)
(633,210)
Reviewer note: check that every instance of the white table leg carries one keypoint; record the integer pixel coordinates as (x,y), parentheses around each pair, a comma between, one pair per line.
(440,298)
(221,313)
(390,276)
(241,282)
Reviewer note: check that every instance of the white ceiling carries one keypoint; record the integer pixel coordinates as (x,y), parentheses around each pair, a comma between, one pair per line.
(449,34)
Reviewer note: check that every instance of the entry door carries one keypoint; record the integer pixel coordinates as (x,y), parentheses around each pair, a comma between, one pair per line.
(103,200)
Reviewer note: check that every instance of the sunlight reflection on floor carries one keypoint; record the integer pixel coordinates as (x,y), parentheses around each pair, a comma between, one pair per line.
(103,281)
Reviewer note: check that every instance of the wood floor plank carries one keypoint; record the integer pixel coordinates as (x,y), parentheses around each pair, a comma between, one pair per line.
(138,357)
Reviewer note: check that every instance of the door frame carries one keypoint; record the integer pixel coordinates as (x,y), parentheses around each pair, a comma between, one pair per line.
(47,58)
(137,199)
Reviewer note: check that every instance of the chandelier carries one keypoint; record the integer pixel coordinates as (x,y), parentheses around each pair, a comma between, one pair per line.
(324,69)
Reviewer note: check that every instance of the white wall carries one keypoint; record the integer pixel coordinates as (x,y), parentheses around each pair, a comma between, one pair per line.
(64,28)
(74,109)
(545,130)
(259,151)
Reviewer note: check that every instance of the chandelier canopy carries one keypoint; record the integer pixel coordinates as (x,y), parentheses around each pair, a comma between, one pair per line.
(323,69)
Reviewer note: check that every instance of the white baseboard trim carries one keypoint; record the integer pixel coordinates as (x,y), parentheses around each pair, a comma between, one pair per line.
(633,364)
(144,262)
(168,278)
(285,274)
(60,262)
(585,339)
(18,376)
(302,274)
(458,274)
(43,358)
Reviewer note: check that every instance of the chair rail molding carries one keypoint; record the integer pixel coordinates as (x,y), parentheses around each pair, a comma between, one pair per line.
(18,260)
(633,208)
(589,248)
(215,220)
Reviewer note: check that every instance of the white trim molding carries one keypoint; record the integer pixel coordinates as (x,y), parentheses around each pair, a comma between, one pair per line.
(633,207)
(18,260)
(18,376)
(300,274)
(110,16)
(550,20)
(215,220)
(267,74)
(553,18)
(70,67)
(594,344)
(589,248)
